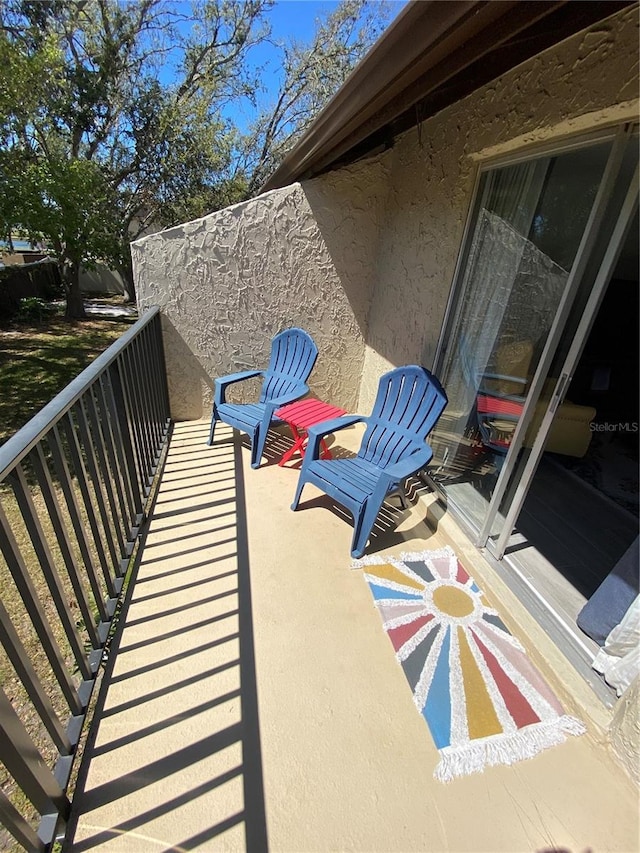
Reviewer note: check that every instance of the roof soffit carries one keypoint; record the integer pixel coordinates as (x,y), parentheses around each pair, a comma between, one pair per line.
(434,54)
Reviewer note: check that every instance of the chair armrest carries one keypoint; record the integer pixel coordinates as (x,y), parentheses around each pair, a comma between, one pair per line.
(299,391)
(409,465)
(325,427)
(222,382)
(317,432)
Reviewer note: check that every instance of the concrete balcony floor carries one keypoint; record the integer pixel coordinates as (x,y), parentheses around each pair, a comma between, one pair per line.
(255,703)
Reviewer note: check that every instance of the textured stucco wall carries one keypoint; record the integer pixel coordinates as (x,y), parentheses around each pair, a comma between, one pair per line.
(364,257)
(299,256)
(625,730)
(588,81)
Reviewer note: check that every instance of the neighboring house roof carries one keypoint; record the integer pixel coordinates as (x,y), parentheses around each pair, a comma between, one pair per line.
(434,53)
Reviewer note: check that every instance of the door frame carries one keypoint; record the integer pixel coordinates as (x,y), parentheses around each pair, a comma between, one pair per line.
(621,135)
(603,276)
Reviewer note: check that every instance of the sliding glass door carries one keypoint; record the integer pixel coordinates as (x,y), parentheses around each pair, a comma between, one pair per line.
(550,411)
(532,229)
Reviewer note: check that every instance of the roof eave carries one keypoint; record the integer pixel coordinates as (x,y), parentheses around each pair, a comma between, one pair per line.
(432,55)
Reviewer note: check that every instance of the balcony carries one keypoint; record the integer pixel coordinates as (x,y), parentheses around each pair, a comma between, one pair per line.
(228,663)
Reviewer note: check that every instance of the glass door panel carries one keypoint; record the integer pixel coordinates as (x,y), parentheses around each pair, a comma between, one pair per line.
(554,404)
(528,223)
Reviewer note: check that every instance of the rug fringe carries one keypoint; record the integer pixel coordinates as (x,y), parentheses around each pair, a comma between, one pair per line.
(445,551)
(505,749)
(382,559)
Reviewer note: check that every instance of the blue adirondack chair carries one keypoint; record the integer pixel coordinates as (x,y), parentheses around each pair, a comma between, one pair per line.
(408,404)
(293,354)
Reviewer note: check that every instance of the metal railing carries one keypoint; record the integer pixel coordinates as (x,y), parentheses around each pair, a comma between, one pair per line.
(73,487)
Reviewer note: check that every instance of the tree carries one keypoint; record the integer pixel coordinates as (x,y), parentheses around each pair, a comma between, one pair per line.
(114,115)
(93,147)
(312,74)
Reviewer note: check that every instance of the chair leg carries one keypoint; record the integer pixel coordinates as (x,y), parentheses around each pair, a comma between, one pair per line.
(359,542)
(404,503)
(296,497)
(363,525)
(257,445)
(260,434)
(214,421)
(400,493)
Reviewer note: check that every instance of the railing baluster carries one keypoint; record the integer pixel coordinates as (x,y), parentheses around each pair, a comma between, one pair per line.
(18,826)
(25,587)
(135,397)
(60,530)
(149,363)
(113,396)
(162,369)
(105,427)
(36,780)
(103,468)
(64,478)
(92,452)
(47,564)
(121,368)
(82,479)
(91,461)
(144,405)
(32,684)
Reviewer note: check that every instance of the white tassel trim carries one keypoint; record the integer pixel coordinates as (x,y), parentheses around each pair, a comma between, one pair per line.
(446,551)
(474,756)
(382,559)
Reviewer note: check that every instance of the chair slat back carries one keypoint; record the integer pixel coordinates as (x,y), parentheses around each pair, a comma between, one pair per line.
(293,355)
(408,404)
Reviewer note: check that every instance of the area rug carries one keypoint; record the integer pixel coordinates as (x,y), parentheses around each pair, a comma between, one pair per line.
(484,701)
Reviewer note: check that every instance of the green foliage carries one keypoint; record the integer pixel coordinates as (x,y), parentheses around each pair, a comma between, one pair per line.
(32,309)
(112,114)
(313,73)
(93,148)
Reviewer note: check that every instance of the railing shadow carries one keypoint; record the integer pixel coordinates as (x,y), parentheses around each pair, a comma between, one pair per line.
(174,756)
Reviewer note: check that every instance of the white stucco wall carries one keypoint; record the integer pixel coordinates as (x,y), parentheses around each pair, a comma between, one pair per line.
(299,256)
(587,81)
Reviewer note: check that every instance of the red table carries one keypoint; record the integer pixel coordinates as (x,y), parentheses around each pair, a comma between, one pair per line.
(301,415)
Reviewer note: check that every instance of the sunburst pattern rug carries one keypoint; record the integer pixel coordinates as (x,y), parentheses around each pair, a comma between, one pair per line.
(482,698)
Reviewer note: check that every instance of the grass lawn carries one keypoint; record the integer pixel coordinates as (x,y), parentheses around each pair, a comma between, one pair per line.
(37,361)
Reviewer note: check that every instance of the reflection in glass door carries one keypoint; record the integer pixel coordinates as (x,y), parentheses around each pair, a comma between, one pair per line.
(622,208)
(527,226)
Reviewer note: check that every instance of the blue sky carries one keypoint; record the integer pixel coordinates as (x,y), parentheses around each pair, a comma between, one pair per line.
(297,17)
(288,18)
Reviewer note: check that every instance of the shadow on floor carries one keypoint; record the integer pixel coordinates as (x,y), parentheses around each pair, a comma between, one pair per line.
(173,757)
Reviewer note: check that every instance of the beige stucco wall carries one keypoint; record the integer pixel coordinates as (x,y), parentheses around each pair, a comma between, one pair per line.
(588,81)
(625,730)
(299,256)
